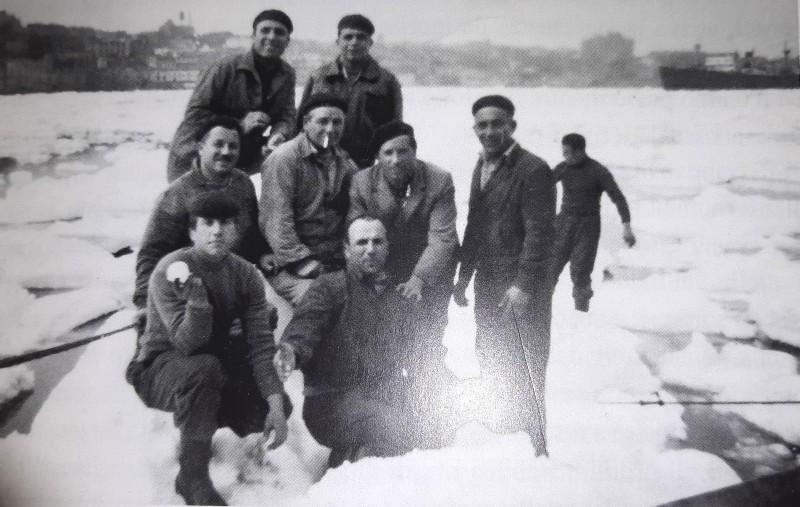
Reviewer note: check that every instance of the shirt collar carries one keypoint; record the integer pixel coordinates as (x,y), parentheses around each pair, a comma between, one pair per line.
(308,150)
(502,157)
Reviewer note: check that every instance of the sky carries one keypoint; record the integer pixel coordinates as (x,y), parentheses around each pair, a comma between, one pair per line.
(718,25)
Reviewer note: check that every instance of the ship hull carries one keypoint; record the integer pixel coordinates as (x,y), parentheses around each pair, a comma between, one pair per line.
(702,79)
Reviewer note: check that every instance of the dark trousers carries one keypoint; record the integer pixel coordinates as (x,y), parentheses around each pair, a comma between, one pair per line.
(576,242)
(358,418)
(202,394)
(513,348)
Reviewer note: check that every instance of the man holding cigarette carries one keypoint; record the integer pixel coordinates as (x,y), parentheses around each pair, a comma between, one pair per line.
(255,88)
(304,198)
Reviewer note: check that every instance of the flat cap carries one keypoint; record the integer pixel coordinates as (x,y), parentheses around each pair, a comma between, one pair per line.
(274,15)
(389,131)
(357,22)
(498,101)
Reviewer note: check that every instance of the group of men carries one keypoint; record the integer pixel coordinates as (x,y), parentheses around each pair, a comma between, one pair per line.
(359,236)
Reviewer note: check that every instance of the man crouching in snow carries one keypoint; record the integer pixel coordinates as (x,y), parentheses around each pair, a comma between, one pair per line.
(206,351)
(353,335)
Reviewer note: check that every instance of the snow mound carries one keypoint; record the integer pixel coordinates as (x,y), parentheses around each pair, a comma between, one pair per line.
(701,368)
(782,420)
(776,307)
(36,259)
(13,381)
(109,232)
(48,318)
(658,303)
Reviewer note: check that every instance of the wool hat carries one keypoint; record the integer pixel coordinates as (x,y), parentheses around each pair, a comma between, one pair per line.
(319,100)
(356,22)
(498,101)
(389,131)
(274,15)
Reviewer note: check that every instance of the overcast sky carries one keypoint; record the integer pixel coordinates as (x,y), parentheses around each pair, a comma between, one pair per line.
(718,25)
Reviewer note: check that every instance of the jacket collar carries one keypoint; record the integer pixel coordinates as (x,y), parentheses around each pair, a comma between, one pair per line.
(371,71)
(507,159)
(418,185)
(199,179)
(247,63)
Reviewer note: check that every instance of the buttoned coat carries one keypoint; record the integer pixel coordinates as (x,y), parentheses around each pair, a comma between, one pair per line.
(422,231)
(230,89)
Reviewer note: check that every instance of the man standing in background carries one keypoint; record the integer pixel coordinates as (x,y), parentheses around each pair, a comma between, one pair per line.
(255,88)
(507,245)
(583,180)
(372,93)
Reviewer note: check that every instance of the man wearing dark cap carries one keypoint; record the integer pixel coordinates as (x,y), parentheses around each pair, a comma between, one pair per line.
(415,200)
(583,181)
(206,353)
(255,88)
(371,92)
(304,198)
(507,245)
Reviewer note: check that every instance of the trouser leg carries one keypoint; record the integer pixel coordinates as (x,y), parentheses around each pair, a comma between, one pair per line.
(354,419)
(582,260)
(188,386)
(562,246)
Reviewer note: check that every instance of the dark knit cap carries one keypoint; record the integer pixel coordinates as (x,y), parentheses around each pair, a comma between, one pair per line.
(212,205)
(274,15)
(389,131)
(357,22)
(319,100)
(493,101)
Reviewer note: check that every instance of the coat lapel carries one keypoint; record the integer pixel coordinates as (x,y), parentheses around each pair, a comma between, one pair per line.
(419,188)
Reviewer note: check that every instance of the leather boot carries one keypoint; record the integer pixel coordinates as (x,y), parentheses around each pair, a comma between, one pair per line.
(193,482)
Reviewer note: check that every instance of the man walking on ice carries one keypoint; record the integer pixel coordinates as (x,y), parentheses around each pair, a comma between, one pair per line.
(583,181)
(206,352)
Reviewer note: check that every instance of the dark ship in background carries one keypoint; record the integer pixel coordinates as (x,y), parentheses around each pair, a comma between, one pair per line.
(729,71)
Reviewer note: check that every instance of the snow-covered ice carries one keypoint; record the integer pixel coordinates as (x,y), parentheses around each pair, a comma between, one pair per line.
(710,179)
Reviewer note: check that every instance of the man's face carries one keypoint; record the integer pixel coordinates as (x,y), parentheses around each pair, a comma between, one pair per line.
(397,157)
(353,44)
(219,152)
(214,236)
(324,122)
(270,39)
(367,248)
(494,128)
(572,156)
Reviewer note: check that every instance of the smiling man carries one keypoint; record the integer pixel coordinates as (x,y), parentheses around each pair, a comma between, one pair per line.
(212,169)
(304,198)
(372,93)
(256,88)
(206,352)
(507,247)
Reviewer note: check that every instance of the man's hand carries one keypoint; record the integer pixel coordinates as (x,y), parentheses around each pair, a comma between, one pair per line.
(411,289)
(627,235)
(276,421)
(268,265)
(514,299)
(196,292)
(274,141)
(460,294)
(254,120)
(284,361)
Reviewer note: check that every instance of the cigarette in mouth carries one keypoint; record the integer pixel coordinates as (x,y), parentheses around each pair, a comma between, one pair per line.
(325,141)
(267,131)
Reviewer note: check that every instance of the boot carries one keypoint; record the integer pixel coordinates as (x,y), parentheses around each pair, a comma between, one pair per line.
(193,482)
